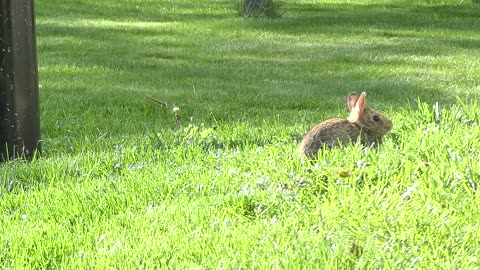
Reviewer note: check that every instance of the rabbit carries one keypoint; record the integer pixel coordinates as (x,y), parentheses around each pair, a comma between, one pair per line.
(362,123)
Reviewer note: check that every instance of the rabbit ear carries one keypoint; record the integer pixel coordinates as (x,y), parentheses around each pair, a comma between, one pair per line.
(351,101)
(360,104)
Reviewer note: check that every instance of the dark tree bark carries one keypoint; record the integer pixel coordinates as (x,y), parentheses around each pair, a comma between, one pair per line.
(19,106)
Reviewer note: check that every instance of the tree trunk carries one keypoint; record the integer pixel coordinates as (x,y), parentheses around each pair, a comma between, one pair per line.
(19,112)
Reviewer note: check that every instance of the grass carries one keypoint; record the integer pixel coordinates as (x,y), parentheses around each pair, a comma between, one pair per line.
(124,183)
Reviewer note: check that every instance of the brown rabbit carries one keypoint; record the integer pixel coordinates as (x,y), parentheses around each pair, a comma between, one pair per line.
(363,123)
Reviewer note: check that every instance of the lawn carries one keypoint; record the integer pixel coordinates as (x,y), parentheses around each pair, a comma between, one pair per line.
(210,178)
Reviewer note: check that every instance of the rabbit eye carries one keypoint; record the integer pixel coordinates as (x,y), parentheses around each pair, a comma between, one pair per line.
(376,118)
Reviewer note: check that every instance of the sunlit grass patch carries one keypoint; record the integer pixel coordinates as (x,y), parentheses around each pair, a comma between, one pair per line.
(210,176)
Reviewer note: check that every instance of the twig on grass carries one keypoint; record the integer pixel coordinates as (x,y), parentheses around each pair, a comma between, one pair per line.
(163,103)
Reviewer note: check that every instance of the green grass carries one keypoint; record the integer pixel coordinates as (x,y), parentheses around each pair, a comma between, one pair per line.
(123,184)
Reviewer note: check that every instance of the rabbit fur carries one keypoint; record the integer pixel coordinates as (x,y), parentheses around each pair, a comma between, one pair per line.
(362,124)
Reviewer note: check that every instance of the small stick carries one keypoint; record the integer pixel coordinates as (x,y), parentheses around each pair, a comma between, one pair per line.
(163,103)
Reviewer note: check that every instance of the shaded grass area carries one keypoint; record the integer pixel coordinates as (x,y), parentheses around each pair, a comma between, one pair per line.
(124,183)
(327,50)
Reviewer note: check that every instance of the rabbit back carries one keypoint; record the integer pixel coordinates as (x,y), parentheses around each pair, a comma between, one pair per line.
(330,133)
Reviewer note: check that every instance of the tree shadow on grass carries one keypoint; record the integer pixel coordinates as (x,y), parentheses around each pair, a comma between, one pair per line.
(450,27)
(249,82)
(328,18)
(130,11)
(395,35)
